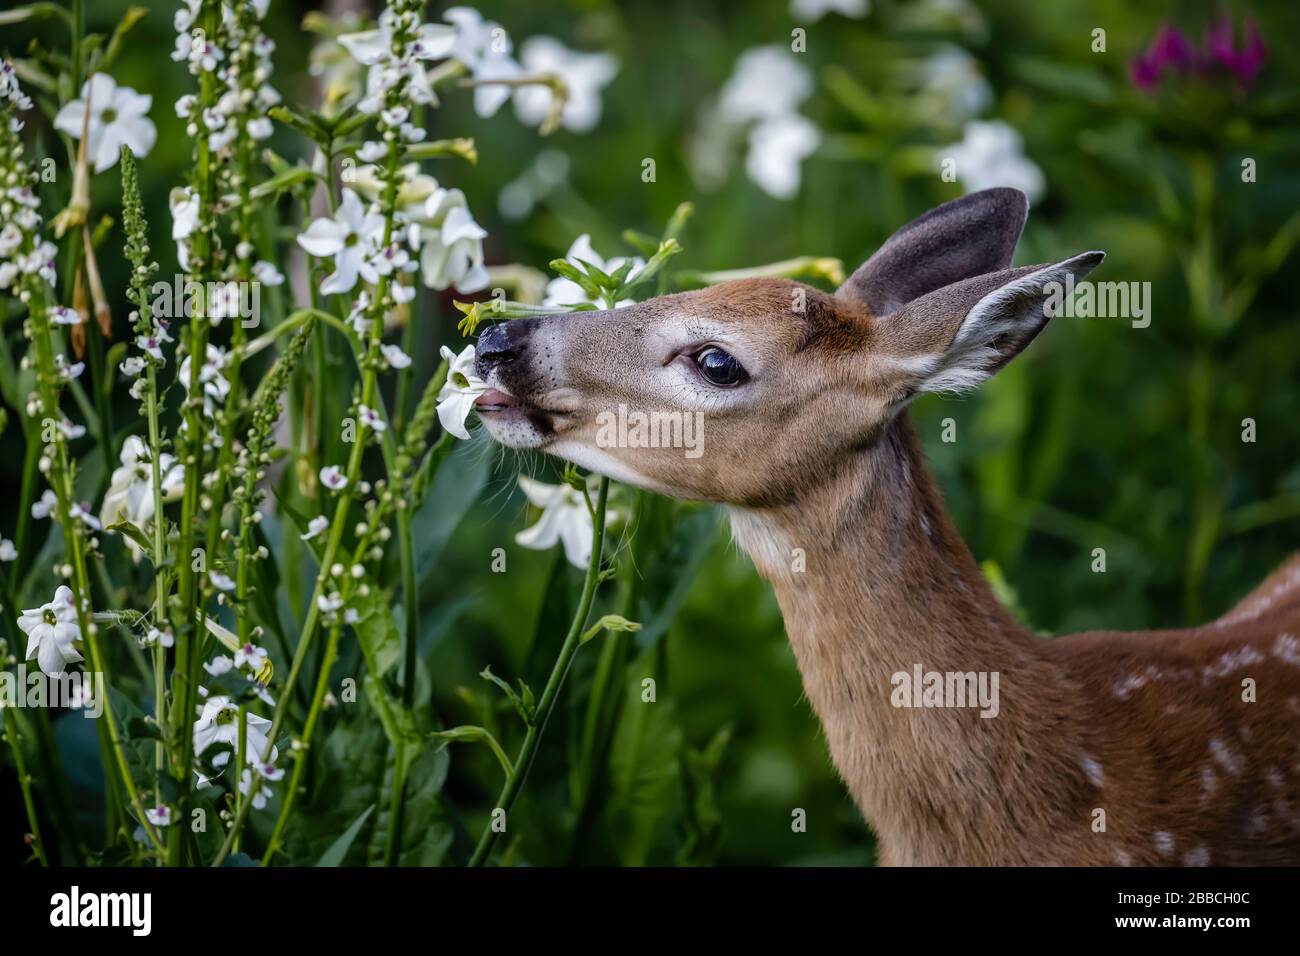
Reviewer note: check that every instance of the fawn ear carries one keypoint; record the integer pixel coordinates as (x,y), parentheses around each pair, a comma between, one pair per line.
(956,337)
(967,237)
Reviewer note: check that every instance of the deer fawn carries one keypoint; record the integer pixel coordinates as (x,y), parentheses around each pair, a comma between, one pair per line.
(1105,748)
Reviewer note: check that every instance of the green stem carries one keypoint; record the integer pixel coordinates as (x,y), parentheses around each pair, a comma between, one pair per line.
(572,640)
(10,733)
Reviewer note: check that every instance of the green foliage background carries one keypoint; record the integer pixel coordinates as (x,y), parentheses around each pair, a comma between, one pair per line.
(1101,436)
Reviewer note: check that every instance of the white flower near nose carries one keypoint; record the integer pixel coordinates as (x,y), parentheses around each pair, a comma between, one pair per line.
(352,238)
(463,386)
(52,632)
(130,494)
(991,153)
(565,519)
(565,292)
(585,75)
(218,723)
(119,116)
(450,243)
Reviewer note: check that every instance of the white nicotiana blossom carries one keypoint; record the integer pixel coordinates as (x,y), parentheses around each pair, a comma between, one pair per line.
(450,243)
(260,792)
(463,386)
(332,477)
(813,10)
(584,74)
(565,519)
(218,723)
(130,495)
(315,527)
(352,238)
(485,49)
(760,103)
(565,292)
(52,632)
(119,116)
(990,154)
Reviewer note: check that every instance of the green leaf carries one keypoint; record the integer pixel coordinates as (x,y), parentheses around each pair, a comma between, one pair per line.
(377,630)
(33,11)
(339,848)
(129,530)
(610,622)
(454,490)
(129,19)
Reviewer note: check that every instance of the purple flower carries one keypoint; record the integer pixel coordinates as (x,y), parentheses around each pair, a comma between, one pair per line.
(1172,52)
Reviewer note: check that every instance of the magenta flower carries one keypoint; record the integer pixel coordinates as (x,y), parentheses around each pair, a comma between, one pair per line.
(1171,52)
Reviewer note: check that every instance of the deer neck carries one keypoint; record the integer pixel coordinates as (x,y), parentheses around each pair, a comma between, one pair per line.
(874,582)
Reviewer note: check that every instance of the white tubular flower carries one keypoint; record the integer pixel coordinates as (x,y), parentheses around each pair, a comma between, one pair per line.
(485,49)
(218,723)
(585,75)
(52,632)
(352,237)
(777,149)
(463,386)
(991,153)
(450,243)
(315,527)
(119,116)
(565,519)
(130,494)
(215,385)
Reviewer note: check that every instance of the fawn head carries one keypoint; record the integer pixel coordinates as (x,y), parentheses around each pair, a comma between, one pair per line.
(786,383)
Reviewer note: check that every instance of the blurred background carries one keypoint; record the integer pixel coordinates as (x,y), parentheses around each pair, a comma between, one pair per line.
(818,128)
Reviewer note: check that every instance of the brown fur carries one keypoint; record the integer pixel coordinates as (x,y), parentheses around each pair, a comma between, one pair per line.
(1108,748)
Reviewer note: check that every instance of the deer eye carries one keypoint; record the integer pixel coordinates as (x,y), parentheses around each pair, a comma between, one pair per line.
(720,368)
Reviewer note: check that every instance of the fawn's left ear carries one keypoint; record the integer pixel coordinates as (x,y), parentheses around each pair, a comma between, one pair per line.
(956,337)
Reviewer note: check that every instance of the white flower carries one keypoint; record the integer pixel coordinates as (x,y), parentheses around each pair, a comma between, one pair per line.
(812,10)
(61,315)
(7,550)
(561,291)
(215,385)
(184,204)
(160,816)
(329,603)
(315,527)
(332,477)
(584,74)
(395,357)
(130,489)
(45,505)
(218,723)
(81,512)
(463,386)
(777,149)
(953,77)
(220,581)
(267,274)
(119,116)
(260,793)
(485,49)
(373,47)
(450,243)
(351,237)
(565,519)
(221,664)
(132,365)
(52,631)
(991,153)
(371,419)
(767,81)
(250,656)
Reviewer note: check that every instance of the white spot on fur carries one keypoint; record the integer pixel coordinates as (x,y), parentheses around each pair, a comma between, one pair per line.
(1209,782)
(1164,842)
(1233,660)
(1124,858)
(1092,770)
(1197,857)
(1226,757)
(1287,649)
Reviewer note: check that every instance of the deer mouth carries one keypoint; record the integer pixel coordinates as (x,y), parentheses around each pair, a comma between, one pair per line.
(513,421)
(495,401)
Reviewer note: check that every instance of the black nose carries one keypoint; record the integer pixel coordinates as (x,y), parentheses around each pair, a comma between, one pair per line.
(495,347)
